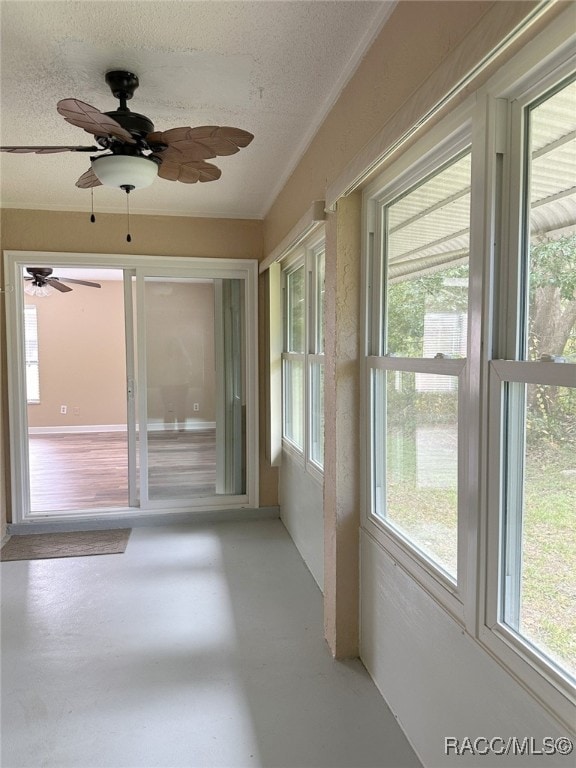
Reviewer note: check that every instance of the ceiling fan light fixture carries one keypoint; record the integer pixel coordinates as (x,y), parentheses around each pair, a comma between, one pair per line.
(38,290)
(125,171)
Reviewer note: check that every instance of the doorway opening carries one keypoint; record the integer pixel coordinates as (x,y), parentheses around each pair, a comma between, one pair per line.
(135,390)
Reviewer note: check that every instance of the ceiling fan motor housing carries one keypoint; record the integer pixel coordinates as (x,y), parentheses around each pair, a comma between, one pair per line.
(39,274)
(123,84)
(138,125)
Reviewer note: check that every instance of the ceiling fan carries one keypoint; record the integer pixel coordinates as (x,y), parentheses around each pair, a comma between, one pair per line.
(134,153)
(41,281)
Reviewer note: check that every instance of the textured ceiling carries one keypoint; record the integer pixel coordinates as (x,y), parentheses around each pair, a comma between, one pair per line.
(271,68)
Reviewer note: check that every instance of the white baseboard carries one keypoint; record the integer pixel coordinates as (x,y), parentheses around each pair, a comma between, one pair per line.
(69,430)
(153,426)
(159,426)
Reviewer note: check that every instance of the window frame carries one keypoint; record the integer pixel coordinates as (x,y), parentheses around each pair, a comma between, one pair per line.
(506,363)
(444,145)
(315,354)
(305,256)
(500,638)
(289,356)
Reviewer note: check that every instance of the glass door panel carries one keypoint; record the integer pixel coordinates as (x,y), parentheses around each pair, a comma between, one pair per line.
(75,366)
(230,387)
(192,436)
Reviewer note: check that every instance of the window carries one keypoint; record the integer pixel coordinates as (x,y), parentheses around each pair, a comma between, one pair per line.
(303,356)
(315,358)
(533,385)
(419,357)
(470,373)
(293,358)
(31,354)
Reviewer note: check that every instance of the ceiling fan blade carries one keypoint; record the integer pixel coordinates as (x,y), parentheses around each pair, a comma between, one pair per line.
(88,179)
(188,172)
(236,135)
(55,283)
(92,120)
(180,134)
(202,142)
(79,282)
(48,150)
(187,151)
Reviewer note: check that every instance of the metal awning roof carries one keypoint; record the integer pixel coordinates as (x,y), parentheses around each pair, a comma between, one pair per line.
(429,227)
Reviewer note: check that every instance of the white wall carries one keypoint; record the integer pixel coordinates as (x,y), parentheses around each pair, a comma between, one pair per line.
(302,513)
(435,678)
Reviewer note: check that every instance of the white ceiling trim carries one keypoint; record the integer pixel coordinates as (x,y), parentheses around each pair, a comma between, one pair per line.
(120,209)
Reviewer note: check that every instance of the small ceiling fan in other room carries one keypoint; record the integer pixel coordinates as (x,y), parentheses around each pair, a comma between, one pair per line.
(41,282)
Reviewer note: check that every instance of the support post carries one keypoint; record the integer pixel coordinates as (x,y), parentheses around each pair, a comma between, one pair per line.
(342,426)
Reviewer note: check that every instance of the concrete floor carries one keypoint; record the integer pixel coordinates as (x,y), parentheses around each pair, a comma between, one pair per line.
(200,647)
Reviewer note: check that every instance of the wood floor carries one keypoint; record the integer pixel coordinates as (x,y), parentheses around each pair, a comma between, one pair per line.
(90,470)
(181,464)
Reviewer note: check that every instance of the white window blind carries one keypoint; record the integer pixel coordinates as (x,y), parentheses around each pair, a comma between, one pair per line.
(31,353)
(444,333)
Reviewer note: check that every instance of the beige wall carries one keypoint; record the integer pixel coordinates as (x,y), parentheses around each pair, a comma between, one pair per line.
(180,351)
(60,231)
(82,358)
(72,232)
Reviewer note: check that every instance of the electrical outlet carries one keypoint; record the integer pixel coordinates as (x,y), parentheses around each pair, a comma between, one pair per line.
(64,409)
(196,406)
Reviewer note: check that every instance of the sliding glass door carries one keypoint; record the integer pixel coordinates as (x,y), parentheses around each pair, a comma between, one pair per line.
(187,389)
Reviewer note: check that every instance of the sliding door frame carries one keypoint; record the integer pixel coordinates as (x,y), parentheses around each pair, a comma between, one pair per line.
(138,265)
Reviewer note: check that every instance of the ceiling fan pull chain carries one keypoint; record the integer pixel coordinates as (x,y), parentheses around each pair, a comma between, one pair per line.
(92,217)
(128,236)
